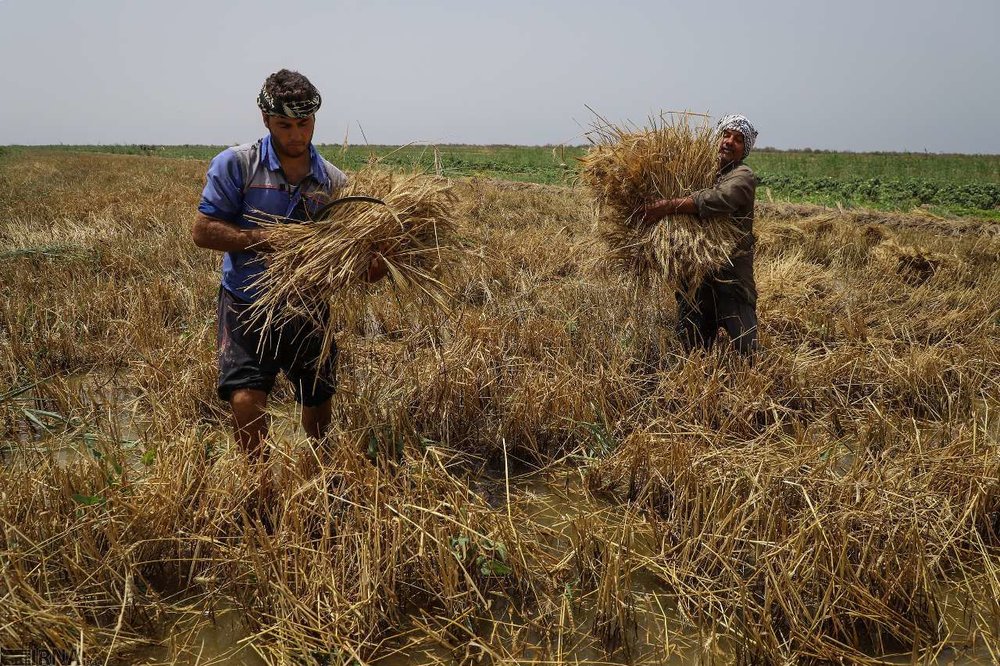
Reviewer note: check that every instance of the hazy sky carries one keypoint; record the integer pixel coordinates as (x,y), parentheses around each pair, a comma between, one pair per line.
(839,74)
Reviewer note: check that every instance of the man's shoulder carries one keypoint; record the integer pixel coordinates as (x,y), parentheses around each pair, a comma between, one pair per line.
(338,178)
(243,154)
(244,148)
(740,172)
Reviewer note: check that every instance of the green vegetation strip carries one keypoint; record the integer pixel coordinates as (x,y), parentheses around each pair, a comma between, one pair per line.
(892,193)
(959,184)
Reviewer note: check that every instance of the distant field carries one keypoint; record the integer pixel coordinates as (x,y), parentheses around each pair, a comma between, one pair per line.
(939,168)
(962,184)
(958,184)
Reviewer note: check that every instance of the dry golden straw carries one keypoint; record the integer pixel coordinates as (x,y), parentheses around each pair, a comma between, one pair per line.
(312,264)
(837,502)
(628,167)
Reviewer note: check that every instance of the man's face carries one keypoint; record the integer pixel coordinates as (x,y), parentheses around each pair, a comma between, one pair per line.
(291,136)
(731,147)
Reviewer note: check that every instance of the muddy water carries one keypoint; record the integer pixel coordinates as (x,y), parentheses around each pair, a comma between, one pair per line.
(68,410)
(221,639)
(657,632)
(558,502)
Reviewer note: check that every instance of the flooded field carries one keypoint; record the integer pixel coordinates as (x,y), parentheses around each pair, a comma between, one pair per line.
(536,474)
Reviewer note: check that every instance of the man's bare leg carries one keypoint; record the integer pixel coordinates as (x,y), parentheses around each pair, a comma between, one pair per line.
(316,420)
(250,422)
(316,423)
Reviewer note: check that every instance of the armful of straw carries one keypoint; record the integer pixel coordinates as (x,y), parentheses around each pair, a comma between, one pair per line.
(215,234)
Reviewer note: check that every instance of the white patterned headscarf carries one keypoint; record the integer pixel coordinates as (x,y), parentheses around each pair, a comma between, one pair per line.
(290,109)
(735,121)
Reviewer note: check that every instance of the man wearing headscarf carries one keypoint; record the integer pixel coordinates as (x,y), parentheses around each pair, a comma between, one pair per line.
(727,299)
(281,177)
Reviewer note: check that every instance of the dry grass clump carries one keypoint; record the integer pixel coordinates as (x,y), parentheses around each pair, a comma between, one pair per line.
(313,264)
(495,383)
(360,546)
(803,299)
(815,553)
(100,552)
(825,238)
(97,542)
(912,263)
(626,168)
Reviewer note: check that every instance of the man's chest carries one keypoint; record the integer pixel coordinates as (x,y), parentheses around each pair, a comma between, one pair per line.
(269,194)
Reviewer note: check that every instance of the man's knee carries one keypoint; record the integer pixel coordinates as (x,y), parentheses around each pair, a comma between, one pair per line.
(248,404)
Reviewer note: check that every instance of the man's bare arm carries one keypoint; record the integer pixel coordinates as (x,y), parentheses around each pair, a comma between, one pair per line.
(215,234)
(656,211)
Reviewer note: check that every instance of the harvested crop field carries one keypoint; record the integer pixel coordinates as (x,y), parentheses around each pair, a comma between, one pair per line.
(537,474)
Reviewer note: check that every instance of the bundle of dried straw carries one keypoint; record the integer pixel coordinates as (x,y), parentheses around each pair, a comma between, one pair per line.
(312,265)
(628,167)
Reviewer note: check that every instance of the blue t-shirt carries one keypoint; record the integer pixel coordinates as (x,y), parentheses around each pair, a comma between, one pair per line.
(247,181)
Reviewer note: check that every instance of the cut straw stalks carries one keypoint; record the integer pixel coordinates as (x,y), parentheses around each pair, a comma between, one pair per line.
(100,553)
(810,554)
(313,265)
(626,168)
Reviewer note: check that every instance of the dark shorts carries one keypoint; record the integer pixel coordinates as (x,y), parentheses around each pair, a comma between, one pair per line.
(245,363)
(718,306)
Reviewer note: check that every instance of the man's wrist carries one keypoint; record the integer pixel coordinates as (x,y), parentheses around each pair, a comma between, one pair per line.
(259,241)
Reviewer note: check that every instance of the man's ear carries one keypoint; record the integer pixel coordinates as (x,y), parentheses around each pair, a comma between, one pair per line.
(264,117)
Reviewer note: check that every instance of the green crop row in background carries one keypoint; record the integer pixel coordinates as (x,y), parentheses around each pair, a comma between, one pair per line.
(906,193)
(959,183)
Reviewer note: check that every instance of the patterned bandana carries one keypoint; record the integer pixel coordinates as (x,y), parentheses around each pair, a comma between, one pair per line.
(298,109)
(742,125)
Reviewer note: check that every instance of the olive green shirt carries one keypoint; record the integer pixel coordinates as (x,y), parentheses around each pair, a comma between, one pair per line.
(733,195)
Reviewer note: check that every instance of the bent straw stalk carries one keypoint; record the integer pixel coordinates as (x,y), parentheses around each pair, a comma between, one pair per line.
(628,167)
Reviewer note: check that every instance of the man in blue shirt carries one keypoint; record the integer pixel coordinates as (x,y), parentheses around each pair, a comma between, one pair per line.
(282,177)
